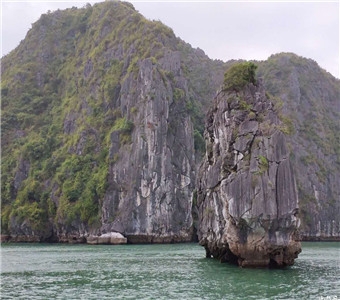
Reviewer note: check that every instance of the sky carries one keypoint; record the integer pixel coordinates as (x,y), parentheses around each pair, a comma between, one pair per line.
(222,29)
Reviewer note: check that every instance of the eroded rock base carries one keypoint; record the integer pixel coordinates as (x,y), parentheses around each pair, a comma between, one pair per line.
(255,256)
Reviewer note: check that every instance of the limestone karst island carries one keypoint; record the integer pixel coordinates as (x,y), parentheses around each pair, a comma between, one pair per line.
(114,130)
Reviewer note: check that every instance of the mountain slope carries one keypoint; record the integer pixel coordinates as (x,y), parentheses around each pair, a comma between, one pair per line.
(98,126)
(310,99)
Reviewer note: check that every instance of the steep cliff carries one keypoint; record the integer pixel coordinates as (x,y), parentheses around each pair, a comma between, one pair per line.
(247,196)
(309,97)
(100,126)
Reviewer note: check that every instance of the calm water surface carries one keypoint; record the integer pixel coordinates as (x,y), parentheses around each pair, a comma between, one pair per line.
(180,271)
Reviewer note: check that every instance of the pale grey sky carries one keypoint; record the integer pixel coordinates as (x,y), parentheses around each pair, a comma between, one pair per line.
(223,29)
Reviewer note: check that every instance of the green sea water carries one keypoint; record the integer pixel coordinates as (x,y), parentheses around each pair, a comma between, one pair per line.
(177,271)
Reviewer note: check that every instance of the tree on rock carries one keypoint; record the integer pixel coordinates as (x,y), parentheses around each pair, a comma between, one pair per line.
(239,75)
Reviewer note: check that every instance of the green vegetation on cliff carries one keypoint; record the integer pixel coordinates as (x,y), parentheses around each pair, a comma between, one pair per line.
(310,113)
(239,75)
(64,119)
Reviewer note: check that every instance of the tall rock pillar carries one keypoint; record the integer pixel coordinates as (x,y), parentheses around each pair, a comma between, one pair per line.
(247,196)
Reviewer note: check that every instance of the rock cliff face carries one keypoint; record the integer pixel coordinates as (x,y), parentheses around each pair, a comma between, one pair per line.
(151,168)
(310,99)
(109,145)
(247,196)
(151,183)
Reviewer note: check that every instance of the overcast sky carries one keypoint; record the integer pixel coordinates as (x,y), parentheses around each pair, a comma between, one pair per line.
(223,29)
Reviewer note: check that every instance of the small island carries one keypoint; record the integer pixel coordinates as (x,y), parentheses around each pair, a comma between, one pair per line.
(247,195)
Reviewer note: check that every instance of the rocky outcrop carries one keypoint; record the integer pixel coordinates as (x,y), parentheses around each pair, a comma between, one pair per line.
(111,238)
(247,195)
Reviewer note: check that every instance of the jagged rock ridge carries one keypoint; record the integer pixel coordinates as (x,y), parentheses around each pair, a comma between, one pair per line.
(247,196)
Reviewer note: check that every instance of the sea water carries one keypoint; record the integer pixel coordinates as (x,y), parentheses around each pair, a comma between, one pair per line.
(176,271)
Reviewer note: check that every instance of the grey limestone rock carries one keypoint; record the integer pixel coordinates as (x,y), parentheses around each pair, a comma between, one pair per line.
(152,181)
(247,195)
(314,112)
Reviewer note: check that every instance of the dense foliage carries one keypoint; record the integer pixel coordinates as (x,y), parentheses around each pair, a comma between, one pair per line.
(239,75)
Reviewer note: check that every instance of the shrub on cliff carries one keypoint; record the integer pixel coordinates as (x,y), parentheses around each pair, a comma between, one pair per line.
(239,75)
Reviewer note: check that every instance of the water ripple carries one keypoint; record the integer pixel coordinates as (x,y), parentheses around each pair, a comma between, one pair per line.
(160,272)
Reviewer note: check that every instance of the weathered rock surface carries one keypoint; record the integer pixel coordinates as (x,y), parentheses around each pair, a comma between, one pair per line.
(151,184)
(247,196)
(310,98)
